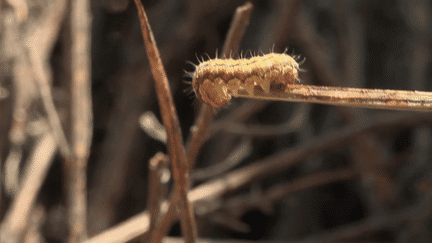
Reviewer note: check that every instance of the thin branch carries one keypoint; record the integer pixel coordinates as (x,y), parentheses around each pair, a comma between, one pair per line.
(156,193)
(352,97)
(237,29)
(12,169)
(16,219)
(163,225)
(199,133)
(238,154)
(176,150)
(40,44)
(82,124)
(150,125)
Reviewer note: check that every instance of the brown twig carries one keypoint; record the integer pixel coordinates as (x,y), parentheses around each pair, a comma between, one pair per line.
(352,97)
(237,29)
(81,116)
(163,225)
(156,192)
(176,150)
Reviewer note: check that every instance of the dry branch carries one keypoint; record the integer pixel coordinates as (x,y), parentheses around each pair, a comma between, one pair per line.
(82,120)
(352,97)
(176,150)
(16,219)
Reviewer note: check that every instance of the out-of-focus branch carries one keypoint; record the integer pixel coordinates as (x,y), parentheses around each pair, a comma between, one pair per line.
(82,120)
(16,219)
(40,45)
(243,150)
(157,191)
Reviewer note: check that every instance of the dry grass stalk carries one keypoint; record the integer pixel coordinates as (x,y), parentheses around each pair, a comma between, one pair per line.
(176,149)
(352,97)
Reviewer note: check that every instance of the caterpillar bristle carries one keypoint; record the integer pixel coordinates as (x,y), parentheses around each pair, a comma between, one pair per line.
(187,82)
(196,56)
(302,61)
(248,52)
(188,74)
(209,58)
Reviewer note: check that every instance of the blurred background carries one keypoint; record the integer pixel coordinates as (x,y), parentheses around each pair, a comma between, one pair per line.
(352,174)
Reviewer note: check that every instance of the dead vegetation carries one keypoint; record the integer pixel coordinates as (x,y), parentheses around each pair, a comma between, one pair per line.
(84,157)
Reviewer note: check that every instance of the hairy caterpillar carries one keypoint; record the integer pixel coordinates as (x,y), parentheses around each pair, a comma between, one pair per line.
(216,80)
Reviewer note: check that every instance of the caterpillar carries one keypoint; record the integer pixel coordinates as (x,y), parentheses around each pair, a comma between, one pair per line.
(215,81)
